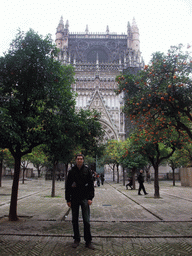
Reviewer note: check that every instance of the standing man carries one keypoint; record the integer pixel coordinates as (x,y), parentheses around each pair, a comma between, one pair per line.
(79,191)
(140,179)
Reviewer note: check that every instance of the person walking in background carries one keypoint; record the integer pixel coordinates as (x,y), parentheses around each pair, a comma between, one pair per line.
(148,177)
(140,179)
(95,178)
(130,183)
(102,178)
(79,191)
(98,180)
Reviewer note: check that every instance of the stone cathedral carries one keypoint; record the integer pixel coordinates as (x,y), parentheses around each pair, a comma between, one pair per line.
(98,58)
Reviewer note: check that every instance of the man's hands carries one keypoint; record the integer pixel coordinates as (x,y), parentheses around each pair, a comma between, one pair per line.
(89,203)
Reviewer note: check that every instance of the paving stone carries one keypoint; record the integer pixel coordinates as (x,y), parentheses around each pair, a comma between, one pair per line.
(122,222)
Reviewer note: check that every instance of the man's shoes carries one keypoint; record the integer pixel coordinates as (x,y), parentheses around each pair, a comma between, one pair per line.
(75,244)
(139,194)
(146,193)
(90,246)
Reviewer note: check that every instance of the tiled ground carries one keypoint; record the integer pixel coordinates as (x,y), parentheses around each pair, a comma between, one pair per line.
(122,222)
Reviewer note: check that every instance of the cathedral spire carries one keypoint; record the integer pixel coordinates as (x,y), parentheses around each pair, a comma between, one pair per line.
(86,30)
(67,25)
(60,27)
(129,35)
(107,29)
(135,36)
(128,29)
(97,59)
(134,26)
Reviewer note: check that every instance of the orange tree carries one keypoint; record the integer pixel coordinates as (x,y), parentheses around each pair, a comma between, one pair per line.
(131,158)
(186,155)
(157,148)
(163,90)
(111,156)
(177,160)
(181,158)
(89,132)
(34,87)
(158,99)
(83,131)
(157,142)
(38,159)
(3,156)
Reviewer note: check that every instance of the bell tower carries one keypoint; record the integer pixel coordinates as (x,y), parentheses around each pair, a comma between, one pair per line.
(62,40)
(135,36)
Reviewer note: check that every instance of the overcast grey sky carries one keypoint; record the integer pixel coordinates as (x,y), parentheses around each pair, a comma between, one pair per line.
(161,23)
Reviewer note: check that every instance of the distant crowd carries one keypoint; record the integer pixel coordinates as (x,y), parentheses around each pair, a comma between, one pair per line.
(98,178)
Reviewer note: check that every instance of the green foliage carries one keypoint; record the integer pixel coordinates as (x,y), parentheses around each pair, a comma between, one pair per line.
(8,160)
(89,133)
(112,153)
(37,157)
(158,104)
(160,95)
(132,157)
(183,157)
(80,132)
(34,89)
(155,151)
(176,160)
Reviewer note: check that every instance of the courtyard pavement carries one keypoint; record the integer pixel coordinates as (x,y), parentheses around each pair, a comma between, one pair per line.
(122,223)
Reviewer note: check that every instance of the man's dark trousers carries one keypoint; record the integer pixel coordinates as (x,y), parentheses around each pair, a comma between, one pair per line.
(86,219)
(141,186)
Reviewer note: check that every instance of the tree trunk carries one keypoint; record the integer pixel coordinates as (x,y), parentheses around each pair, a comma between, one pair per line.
(173,176)
(117,173)
(156,182)
(53,180)
(39,172)
(123,176)
(133,177)
(1,170)
(15,187)
(66,171)
(113,172)
(65,175)
(23,175)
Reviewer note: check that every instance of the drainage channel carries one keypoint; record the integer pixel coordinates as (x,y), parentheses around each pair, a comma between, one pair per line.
(23,197)
(137,203)
(182,198)
(99,236)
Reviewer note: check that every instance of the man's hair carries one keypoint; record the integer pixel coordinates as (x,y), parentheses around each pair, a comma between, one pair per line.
(79,155)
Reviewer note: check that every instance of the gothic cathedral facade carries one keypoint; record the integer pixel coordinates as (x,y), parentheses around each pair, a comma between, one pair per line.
(97,59)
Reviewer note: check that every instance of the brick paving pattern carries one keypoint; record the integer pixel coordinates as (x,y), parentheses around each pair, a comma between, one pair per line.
(122,222)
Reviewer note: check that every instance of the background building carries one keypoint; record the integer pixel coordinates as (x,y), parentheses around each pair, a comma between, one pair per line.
(98,58)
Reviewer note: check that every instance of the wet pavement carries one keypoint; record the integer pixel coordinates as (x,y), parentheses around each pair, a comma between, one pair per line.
(122,223)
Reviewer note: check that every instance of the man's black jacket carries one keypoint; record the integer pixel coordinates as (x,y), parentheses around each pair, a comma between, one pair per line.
(79,184)
(140,178)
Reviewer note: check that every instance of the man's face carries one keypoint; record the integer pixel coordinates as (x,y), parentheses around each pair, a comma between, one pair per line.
(79,161)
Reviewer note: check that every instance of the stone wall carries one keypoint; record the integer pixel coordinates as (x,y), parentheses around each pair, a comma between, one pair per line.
(186,177)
